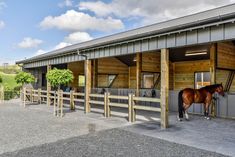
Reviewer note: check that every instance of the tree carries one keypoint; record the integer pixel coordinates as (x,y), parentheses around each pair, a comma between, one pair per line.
(57,77)
(24,78)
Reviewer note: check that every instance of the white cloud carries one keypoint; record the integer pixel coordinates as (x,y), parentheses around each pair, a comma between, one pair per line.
(40,52)
(2,24)
(78,37)
(66,3)
(29,43)
(61,45)
(150,11)
(78,21)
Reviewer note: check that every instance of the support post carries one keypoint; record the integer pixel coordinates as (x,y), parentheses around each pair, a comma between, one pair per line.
(72,105)
(55,103)
(164,87)
(213,50)
(130,104)
(48,87)
(133,110)
(129,77)
(138,72)
(31,95)
(95,73)
(87,85)
(39,95)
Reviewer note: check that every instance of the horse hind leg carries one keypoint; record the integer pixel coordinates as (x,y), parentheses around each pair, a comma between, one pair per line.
(186,107)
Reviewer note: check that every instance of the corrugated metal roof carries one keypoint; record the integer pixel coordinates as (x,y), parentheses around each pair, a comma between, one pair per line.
(202,18)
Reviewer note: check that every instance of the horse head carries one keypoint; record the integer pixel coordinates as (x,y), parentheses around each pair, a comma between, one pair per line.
(220,89)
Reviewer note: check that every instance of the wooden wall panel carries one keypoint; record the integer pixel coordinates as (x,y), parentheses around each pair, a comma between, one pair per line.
(78,69)
(226,55)
(184,72)
(222,77)
(112,66)
(133,77)
(151,62)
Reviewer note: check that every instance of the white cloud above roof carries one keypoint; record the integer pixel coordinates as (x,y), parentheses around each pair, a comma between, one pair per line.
(151,11)
(29,42)
(2,24)
(78,21)
(78,37)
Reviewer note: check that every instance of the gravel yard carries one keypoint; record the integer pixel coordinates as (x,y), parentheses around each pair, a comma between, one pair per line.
(34,131)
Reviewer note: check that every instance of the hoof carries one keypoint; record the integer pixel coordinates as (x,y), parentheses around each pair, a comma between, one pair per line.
(179,119)
(186,119)
(208,118)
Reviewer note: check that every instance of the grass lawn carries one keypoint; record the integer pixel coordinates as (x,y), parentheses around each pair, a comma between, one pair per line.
(8,80)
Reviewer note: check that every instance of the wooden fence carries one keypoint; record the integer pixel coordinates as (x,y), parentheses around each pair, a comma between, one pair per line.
(106,100)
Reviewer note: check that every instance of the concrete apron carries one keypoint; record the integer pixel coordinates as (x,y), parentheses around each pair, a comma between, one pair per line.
(36,125)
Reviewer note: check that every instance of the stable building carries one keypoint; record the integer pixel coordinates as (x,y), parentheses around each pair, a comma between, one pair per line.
(191,51)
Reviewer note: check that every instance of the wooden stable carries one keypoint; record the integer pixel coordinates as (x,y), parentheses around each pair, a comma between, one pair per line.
(152,61)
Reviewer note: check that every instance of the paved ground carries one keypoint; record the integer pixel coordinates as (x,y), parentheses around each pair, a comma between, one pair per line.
(34,131)
(114,142)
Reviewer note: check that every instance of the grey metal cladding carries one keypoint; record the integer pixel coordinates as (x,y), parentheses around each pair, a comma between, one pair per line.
(130,48)
(204,35)
(171,40)
(192,37)
(124,48)
(229,31)
(217,33)
(153,43)
(145,45)
(181,39)
(137,46)
(161,42)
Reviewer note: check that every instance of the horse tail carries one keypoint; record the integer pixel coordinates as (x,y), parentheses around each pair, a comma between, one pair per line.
(180,104)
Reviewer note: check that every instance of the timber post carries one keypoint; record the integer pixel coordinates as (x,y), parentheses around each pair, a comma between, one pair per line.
(31,95)
(213,51)
(48,87)
(164,87)
(105,104)
(133,111)
(39,95)
(2,94)
(55,103)
(72,105)
(138,73)
(130,104)
(61,103)
(87,85)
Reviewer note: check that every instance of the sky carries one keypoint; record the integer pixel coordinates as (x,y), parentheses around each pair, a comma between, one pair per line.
(33,27)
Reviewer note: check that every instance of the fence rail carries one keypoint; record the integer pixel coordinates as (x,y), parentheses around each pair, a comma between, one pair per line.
(130,102)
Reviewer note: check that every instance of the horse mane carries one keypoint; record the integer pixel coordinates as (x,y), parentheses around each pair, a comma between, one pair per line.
(211,88)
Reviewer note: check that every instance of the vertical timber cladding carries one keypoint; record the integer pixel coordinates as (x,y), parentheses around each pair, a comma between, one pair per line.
(112,66)
(225,63)
(78,69)
(150,63)
(184,72)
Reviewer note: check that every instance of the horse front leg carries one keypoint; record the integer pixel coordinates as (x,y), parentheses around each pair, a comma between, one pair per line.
(206,111)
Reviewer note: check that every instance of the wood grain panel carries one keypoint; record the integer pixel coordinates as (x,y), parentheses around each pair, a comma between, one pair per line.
(226,55)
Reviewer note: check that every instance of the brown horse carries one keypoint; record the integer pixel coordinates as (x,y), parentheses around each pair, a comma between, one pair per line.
(203,95)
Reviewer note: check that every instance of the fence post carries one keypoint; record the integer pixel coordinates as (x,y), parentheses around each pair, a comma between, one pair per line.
(130,102)
(72,105)
(61,103)
(48,98)
(105,104)
(39,95)
(55,103)
(31,95)
(108,107)
(24,96)
(133,111)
